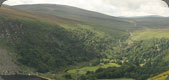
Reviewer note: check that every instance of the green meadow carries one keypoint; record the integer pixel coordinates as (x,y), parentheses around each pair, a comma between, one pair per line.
(149,34)
(83,70)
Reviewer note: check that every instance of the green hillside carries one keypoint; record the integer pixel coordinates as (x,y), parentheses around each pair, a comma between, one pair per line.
(143,55)
(155,22)
(47,47)
(108,24)
(162,76)
(68,43)
(149,34)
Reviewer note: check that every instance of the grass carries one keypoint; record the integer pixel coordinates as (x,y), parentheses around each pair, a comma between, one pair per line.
(92,68)
(149,34)
(162,76)
(118,79)
(110,25)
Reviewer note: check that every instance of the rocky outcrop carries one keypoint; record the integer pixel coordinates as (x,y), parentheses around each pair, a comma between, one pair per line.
(7,63)
(1,1)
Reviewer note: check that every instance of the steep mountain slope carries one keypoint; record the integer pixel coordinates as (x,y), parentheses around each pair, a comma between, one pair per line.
(108,24)
(7,63)
(48,44)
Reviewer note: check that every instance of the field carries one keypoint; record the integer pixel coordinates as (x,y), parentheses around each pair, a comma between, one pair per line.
(83,70)
(149,34)
(162,76)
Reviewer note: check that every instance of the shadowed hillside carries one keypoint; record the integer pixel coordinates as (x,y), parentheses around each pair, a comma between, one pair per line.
(45,45)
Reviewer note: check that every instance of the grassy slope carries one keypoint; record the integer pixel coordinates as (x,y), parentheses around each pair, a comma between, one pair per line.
(149,34)
(113,26)
(92,68)
(17,17)
(15,13)
(34,41)
(108,24)
(162,76)
(30,28)
(155,22)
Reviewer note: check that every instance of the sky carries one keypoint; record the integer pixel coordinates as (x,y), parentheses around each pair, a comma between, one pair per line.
(119,8)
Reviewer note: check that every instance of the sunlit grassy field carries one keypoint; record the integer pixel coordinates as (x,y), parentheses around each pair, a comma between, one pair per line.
(149,34)
(92,68)
(162,76)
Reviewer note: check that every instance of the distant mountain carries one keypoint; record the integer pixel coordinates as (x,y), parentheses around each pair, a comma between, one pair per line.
(64,11)
(95,19)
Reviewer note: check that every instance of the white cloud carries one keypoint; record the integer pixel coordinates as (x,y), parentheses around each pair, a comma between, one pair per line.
(126,8)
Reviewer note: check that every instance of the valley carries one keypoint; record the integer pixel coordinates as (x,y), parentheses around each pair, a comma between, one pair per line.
(67,43)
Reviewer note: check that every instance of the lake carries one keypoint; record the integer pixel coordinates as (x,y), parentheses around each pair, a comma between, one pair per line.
(19,77)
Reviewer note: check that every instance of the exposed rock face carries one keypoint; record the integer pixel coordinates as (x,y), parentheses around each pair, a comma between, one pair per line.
(1,1)
(7,64)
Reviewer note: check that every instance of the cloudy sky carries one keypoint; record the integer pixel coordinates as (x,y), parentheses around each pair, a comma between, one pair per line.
(127,8)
